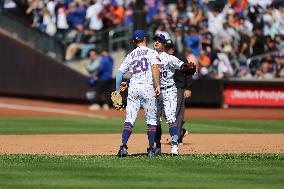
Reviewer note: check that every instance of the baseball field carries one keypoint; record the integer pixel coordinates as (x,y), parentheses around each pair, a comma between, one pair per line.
(56,145)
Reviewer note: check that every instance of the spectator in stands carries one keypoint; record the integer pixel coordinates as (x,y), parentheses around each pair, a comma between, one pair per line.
(93,23)
(128,19)
(238,5)
(279,15)
(271,45)
(61,21)
(279,43)
(215,21)
(119,13)
(94,62)
(192,41)
(76,14)
(10,6)
(223,64)
(92,16)
(258,42)
(78,51)
(103,87)
(244,73)
(178,39)
(35,9)
(76,18)
(107,16)
(73,51)
(226,35)
(206,39)
(152,10)
(260,3)
(264,72)
(204,65)
(253,14)
(244,47)
(271,24)
(280,65)
(244,25)
(204,59)
(196,16)
(90,66)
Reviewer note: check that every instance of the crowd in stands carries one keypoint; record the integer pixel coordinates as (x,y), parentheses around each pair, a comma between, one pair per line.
(222,39)
(232,38)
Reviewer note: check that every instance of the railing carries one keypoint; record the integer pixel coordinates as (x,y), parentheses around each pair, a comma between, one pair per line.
(259,57)
(119,36)
(35,38)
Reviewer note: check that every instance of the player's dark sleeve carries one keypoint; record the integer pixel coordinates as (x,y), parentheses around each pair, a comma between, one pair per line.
(188,82)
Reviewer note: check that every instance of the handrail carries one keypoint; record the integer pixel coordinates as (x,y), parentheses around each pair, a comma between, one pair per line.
(36,38)
(119,30)
(257,57)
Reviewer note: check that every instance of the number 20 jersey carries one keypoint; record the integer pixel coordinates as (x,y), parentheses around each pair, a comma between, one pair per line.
(139,63)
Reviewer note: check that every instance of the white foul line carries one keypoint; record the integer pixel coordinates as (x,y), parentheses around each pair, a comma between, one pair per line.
(49,110)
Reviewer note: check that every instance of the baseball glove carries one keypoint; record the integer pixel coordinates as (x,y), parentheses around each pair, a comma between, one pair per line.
(189,69)
(117,100)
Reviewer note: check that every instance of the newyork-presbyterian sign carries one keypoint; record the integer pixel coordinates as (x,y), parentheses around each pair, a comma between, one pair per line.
(254,96)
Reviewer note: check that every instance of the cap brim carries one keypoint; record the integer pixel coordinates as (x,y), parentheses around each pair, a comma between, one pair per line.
(138,39)
(159,39)
(169,46)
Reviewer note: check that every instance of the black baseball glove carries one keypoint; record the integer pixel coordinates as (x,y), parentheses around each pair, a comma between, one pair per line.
(189,68)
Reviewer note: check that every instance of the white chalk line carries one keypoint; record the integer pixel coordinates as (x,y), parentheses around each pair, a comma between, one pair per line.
(49,110)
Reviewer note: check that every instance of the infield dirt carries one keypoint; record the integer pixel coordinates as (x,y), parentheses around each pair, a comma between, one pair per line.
(107,144)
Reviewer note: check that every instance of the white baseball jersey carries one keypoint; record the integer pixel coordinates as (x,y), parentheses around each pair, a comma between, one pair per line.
(139,63)
(167,101)
(141,88)
(167,69)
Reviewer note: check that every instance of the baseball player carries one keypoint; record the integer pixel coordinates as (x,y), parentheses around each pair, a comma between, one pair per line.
(184,84)
(167,101)
(144,86)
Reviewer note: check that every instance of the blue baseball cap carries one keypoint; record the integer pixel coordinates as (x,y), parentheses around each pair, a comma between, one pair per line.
(160,37)
(138,35)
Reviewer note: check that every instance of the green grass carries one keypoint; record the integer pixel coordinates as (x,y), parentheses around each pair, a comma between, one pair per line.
(191,171)
(235,126)
(25,125)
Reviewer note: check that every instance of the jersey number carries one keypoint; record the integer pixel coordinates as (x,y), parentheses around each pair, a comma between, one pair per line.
(139,66)
(164,74)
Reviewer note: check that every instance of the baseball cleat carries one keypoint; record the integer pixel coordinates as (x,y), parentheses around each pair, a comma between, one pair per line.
(95,107)
(158,151)
(183,134)
(122,152)
(151,152)
(174,150)
(105,107)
